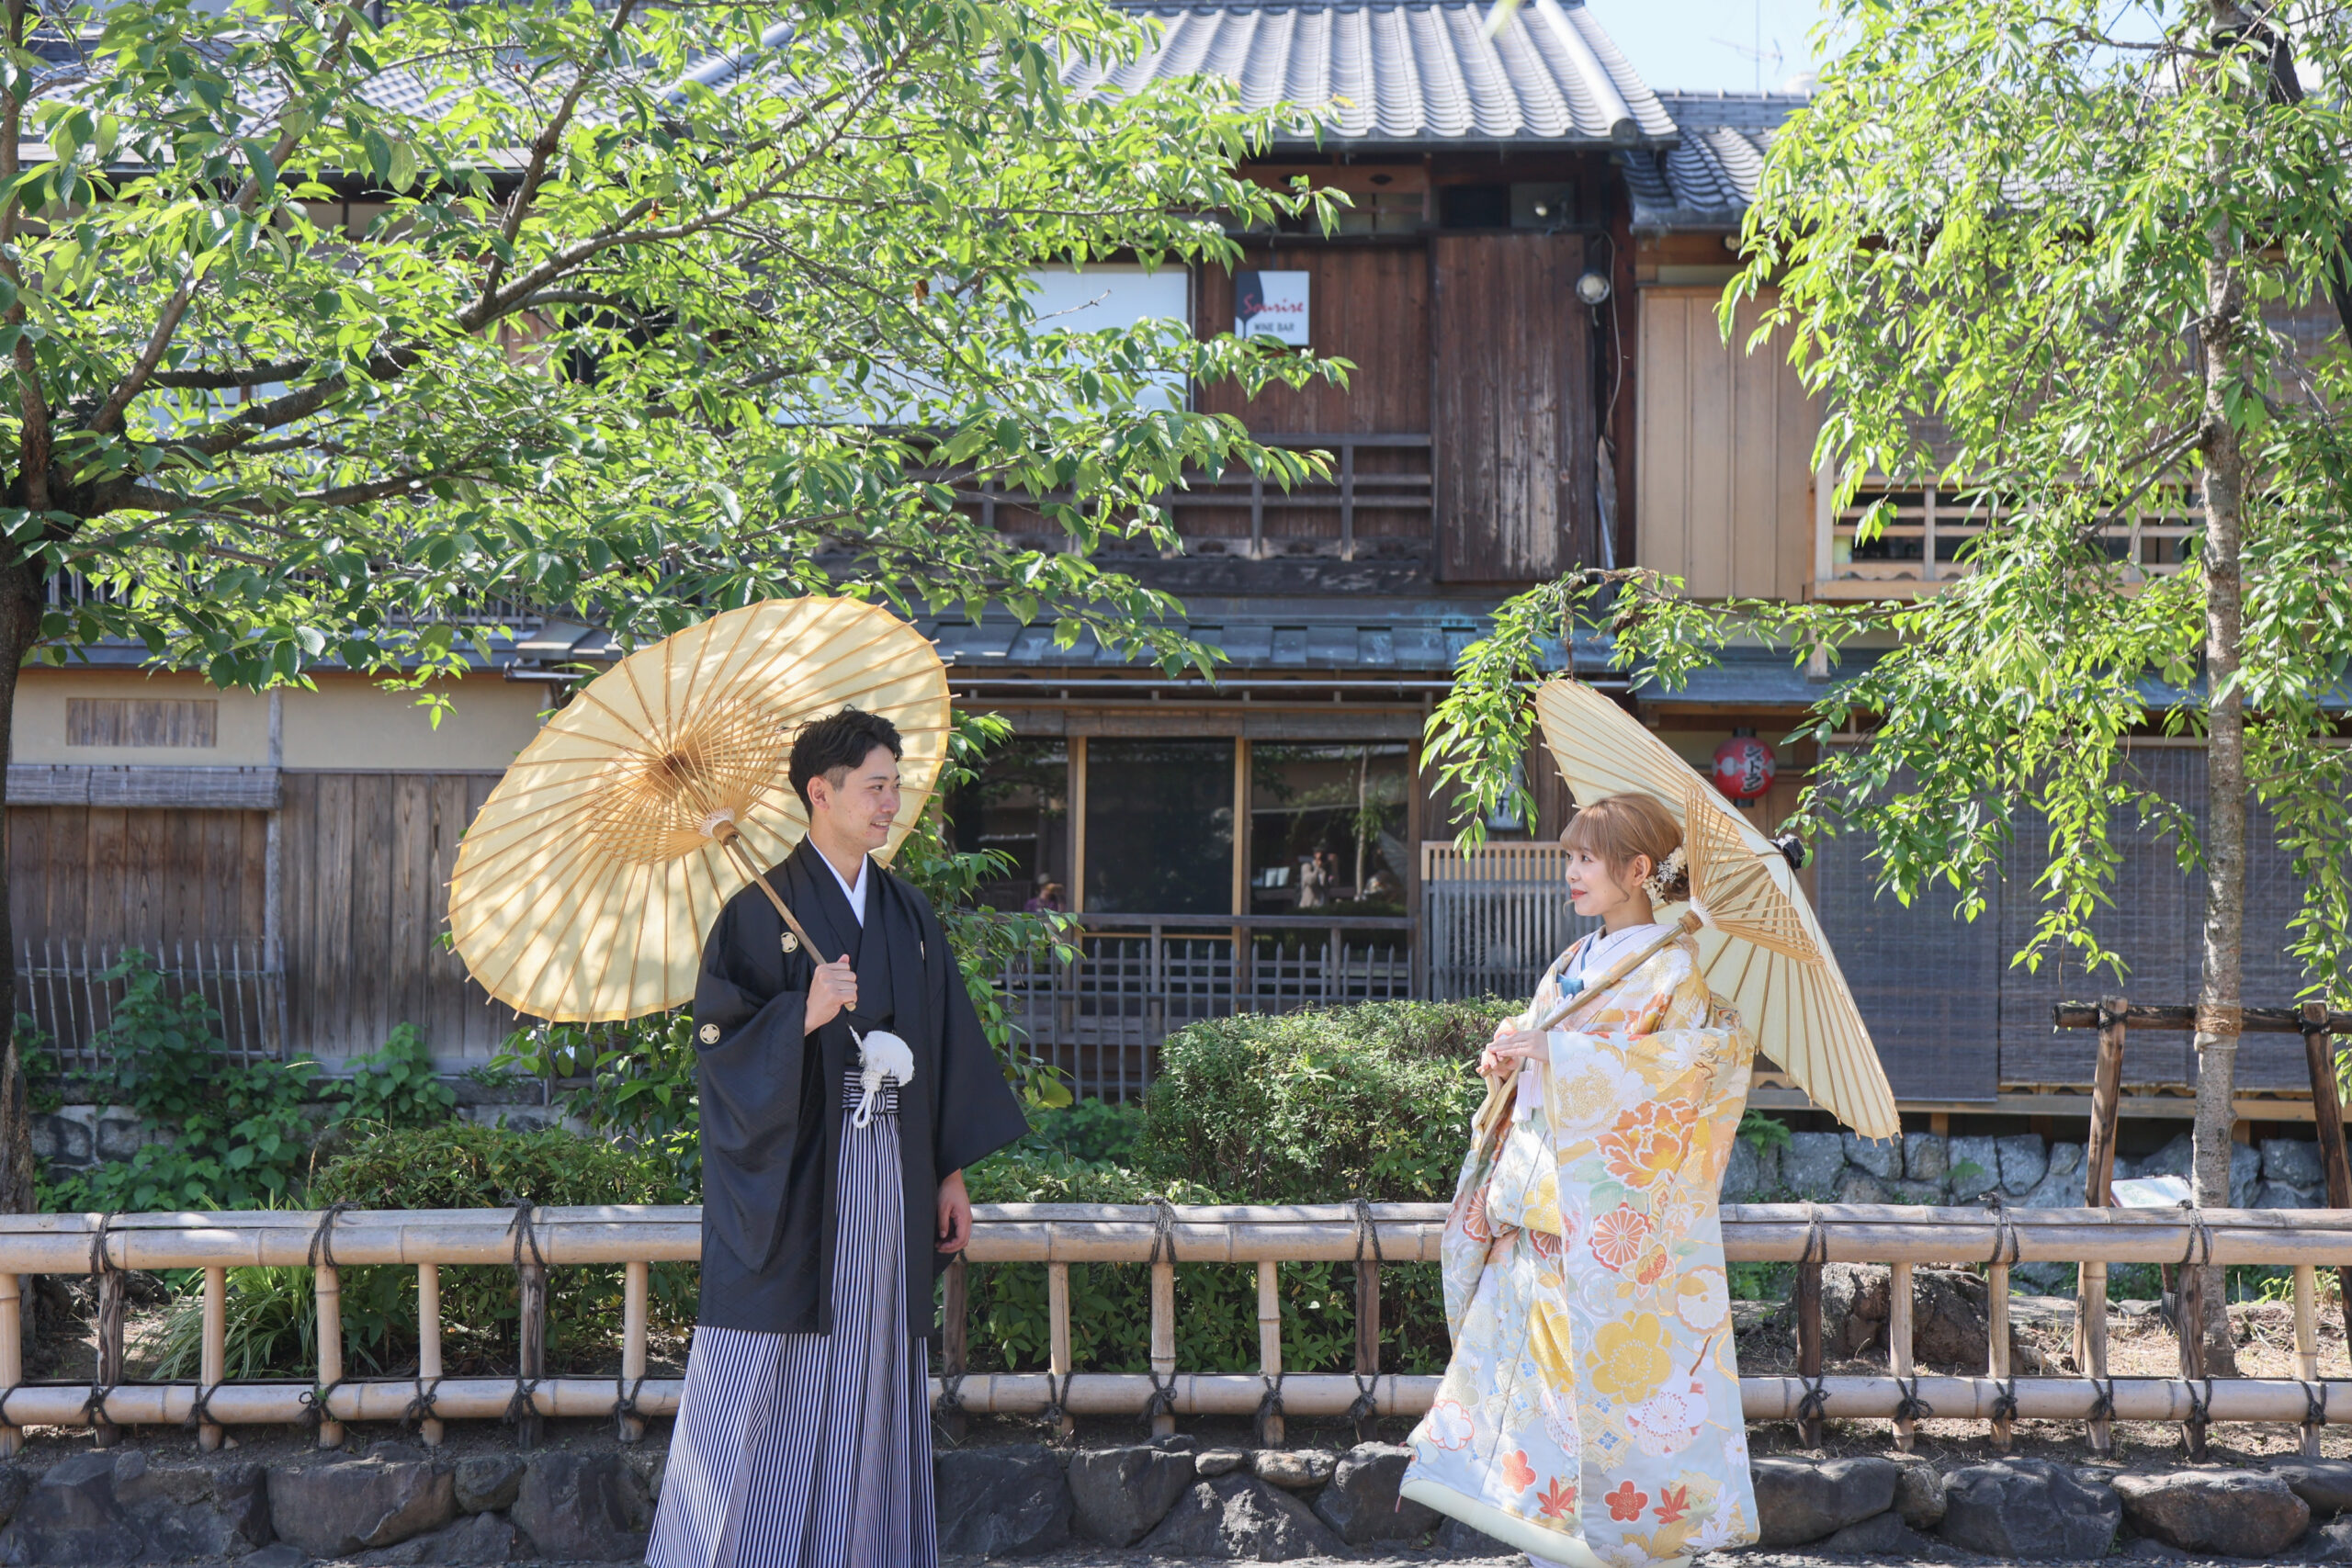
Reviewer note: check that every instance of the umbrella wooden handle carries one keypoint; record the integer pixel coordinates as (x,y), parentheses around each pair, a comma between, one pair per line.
(1499,1092)
(730,838)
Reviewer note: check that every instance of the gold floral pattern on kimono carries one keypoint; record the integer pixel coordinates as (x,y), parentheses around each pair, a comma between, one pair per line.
(1593,1398)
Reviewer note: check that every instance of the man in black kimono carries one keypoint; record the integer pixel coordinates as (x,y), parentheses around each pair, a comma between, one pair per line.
(804,1436)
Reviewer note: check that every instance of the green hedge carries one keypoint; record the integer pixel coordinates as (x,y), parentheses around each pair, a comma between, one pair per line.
(458,1165)
(1309,1107)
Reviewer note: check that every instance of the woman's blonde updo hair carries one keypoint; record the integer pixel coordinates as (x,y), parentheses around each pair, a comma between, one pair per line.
(1616,827)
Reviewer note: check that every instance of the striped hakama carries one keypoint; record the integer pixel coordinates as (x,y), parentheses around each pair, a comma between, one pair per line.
(813,1451)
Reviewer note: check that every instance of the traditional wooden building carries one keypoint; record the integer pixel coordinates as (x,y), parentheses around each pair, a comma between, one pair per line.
(1526,282)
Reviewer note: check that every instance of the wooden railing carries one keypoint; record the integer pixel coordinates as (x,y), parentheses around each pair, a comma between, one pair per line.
(1161,1236)
(1385,475)
(1135,979)
(1929,528)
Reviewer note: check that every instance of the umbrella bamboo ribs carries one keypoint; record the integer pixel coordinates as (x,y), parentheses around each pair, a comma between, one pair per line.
(1162,1237)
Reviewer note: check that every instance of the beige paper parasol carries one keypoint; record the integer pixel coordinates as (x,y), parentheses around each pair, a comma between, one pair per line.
(590,878)
(1762,950)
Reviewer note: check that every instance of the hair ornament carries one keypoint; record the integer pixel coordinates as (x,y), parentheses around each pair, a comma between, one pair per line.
(1660,883)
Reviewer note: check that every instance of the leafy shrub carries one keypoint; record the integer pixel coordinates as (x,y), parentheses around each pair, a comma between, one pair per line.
(1325,1105)
(641,1089)
(240,1131)
(454,1164)
(1310,1107)
(397,1085)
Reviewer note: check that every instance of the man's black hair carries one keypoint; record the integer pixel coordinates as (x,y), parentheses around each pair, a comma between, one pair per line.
(837,743)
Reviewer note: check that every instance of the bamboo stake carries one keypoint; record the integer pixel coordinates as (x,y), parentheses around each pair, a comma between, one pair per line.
(1367,1329)
(1269,1352)
(212,1359)
(110,1309)
(12,1354)
(328,1284)
(1809,1341)
(2191,1324)
(532,1350)
(2327,1116)
(2307,1342)
(428,1344)
(1163,1338)
(2090,1294)
(1898,1345)
(637,1284)
(955,1339)
(1996,1282)
(1057,1336)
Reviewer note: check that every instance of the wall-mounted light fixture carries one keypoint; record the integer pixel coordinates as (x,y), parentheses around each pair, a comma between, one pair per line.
(1593,287)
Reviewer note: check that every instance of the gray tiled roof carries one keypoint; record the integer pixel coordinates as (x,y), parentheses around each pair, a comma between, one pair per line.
(1415,73)
(1371,636)
(1707,179)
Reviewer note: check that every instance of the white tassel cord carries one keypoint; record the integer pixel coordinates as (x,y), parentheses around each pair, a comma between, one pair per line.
(882,1056)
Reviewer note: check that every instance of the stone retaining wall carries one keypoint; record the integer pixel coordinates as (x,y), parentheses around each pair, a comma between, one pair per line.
(404,1505)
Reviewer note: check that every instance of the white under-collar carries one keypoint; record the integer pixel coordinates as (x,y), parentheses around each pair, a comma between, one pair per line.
(853,892)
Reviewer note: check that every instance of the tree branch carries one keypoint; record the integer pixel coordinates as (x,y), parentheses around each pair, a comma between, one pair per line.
(167,322)
(535,173)
(228,380)
(34,445)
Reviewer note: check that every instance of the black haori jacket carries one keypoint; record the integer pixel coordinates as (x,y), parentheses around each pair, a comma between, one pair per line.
(772,1093)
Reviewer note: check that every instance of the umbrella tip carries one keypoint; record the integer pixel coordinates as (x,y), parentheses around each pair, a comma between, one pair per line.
(1789,845)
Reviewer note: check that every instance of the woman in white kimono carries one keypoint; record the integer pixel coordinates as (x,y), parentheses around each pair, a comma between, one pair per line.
(1591,1414)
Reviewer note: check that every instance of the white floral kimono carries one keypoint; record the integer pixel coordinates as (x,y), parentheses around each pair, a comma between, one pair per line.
(1591,1411)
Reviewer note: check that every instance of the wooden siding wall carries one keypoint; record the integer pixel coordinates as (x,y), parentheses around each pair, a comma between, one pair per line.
(366,859)
(1512,417)
(1367,303)
(140,875)
(1726,453)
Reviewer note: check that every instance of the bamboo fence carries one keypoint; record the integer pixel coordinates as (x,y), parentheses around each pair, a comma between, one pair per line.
(533,1241)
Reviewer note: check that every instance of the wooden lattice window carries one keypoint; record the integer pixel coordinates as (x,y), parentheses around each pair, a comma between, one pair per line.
(143,721)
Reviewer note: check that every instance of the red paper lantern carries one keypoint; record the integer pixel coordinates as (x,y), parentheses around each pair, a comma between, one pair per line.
(1744,767)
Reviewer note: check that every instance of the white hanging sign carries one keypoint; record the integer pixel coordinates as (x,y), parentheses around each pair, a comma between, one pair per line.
(1271,304)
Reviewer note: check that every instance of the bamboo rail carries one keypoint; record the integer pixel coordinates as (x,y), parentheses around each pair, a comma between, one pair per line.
(1161,1236)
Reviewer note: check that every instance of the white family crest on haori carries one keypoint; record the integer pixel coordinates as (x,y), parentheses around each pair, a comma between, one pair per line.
(882,1056)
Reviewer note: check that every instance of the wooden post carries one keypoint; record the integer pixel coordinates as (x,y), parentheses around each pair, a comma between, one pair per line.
(2307,1341)
(105,1434)
(1163,1339)
(955,1338)
(1058,1339)
(532,1352)
(1269,1351)
(328,1283)
(637,1283)
(1077,745)
(1809,1341)
(2090,1294)
(1997,1282)
(1367,1331)
(428,1343)
(2190,1322)
(212,1359)
(2327,1117)
(12,1353)
(1898,1345)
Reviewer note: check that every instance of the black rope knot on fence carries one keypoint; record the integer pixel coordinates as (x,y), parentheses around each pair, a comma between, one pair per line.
(625,1410)
(1816,1241)
(2005,1232)
(1816,1400)
(2005,1401)
(420,1405)
(2102,1399)
(1911,1407)
(1055,1389)
(2314,1404)
(1270,1403)
(199,1409)
(321,1248)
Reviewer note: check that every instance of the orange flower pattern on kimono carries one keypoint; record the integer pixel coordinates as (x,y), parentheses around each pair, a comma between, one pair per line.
(1591,1409)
